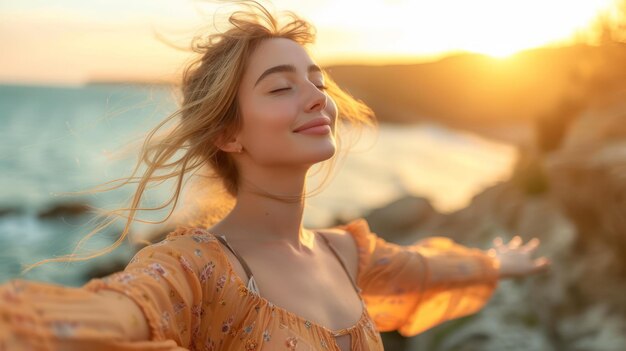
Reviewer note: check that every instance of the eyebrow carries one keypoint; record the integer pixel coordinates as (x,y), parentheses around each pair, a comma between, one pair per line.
(285,68)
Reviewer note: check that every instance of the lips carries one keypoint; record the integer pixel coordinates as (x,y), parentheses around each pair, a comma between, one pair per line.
(317,122)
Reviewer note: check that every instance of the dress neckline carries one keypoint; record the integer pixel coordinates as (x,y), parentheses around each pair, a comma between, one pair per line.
(293,315)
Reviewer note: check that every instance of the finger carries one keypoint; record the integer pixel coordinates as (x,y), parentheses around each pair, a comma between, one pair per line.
(541,264)
(497,242)
(531,245)
(515,242)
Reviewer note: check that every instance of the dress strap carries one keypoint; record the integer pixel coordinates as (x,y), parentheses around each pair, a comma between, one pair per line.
(252,286)
(332,248)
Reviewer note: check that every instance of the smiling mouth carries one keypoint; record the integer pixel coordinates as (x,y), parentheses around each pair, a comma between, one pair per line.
(321,129)
(317,125)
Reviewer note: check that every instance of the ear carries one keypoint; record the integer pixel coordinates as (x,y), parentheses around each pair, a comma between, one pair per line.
(229,145)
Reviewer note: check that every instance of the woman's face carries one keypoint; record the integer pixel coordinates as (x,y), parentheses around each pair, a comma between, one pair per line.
(282,90)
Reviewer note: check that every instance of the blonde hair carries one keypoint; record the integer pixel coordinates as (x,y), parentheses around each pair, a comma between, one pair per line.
(208,110)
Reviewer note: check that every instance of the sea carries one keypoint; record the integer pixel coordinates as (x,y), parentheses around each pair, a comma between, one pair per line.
(55,140)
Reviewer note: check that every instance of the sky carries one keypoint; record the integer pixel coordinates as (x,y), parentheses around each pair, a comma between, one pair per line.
(73,41)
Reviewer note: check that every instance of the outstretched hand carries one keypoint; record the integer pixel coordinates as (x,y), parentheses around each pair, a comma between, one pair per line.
(516,259)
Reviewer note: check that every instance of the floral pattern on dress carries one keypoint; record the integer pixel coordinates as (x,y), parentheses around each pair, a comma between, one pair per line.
(185,264)
(179,306)
(291,343)
(165,320)
(200,238)
(63,329)
(251,345)
(209,345)
(227,324)
(323,343)
(207,272)
(249,328)
(220,282)
(125,278)
(156,269)
(197,311)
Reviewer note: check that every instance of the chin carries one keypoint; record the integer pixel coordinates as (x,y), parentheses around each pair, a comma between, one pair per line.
(323,153)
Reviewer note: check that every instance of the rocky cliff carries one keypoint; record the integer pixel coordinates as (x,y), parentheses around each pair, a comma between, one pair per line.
(574,200)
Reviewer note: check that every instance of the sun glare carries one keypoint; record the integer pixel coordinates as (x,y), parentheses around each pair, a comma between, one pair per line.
(89,39)
(498,28)
(507,29)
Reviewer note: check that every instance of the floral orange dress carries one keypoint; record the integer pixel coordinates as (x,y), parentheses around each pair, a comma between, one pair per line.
(193,299)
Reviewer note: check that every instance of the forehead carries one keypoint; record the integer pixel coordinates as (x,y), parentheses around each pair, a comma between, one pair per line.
(273,52)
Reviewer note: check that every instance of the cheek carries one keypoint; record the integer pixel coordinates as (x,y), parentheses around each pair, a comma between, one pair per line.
(331,110)
(268,125)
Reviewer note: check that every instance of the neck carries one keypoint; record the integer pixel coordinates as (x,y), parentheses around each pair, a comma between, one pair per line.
(270,210)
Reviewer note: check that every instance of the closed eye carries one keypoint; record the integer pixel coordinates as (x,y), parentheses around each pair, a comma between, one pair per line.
(279,90)
(320,87)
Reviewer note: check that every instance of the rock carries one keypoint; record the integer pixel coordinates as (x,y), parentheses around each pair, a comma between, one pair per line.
(9,211)
(67,209)
(579,215)
(598,203)
(395,219)
(491,213)
(603,122)
(583,332)
(588,176)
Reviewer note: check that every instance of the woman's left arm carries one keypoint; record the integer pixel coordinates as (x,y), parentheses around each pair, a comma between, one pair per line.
(413,288)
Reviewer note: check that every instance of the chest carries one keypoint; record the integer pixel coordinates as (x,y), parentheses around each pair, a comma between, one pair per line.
(317,289)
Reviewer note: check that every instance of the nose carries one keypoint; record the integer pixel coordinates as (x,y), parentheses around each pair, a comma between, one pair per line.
(317,100)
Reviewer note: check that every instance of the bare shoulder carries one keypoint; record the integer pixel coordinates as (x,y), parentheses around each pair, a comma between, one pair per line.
(345,245)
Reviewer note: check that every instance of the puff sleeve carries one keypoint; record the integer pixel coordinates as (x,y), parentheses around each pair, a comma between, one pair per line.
(413,288)
(163,279)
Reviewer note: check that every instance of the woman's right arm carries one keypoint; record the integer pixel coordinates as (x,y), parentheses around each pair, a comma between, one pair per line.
(151,305)
(136,323)
(42,316)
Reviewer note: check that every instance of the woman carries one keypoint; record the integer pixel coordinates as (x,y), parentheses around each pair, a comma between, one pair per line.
(260,113)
